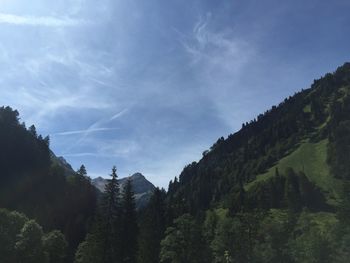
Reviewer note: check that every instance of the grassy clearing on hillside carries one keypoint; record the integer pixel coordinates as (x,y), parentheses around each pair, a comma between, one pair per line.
(221,213)
(310,158)
(307,108)
(325,220)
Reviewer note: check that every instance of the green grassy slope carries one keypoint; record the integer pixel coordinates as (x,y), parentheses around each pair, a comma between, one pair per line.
(311,158)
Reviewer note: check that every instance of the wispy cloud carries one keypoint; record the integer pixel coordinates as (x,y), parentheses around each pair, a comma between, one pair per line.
(117,148)
(53,81)
(84,131)
(119,114)
(218,58)
(96,126)
(108,148)
(222,50)
(49,21)
(42,103)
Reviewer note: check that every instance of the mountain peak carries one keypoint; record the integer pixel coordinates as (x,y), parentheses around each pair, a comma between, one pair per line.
(137,176)
(99,179)
(142,188)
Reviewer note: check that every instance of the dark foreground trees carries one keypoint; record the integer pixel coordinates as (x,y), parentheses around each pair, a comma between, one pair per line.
(129,225)
(183,242)
(152,228)
(114,234)
(23,240)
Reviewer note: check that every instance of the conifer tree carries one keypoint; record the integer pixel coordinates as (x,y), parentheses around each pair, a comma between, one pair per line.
(129,225)
(82,170)
(32,131)
(110,221)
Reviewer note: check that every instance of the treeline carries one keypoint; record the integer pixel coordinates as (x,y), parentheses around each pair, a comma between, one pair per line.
(257,236)
(113,237)
(290,190)
(287,223)
(295,232)
(116,232)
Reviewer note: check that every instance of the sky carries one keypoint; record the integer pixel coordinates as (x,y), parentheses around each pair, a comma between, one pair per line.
(149,85)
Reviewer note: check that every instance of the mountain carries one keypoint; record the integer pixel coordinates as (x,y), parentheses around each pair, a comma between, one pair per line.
(142,188)
(277,190)
(308,132)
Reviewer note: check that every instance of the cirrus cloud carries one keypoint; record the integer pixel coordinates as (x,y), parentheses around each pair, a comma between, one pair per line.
(48,21)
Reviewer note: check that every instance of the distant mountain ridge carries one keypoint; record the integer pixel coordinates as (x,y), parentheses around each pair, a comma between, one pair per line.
(142,188)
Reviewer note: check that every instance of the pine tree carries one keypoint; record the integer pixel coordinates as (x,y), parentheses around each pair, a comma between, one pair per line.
(110,221)
(32,131)
(82,171)
(129,225)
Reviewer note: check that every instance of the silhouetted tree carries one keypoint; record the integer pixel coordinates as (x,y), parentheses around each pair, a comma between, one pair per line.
(82,171)
(110,219)
(129,225)
(152,228)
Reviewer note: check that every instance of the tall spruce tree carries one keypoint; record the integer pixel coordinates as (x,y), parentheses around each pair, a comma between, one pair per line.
(82,171)
(129,225)
(110,220)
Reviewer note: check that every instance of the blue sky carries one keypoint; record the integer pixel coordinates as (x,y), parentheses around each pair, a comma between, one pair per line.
(149,85)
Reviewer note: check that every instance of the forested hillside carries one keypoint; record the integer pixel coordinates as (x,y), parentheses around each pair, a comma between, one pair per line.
(306,131)
(275,191)
(37,187)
